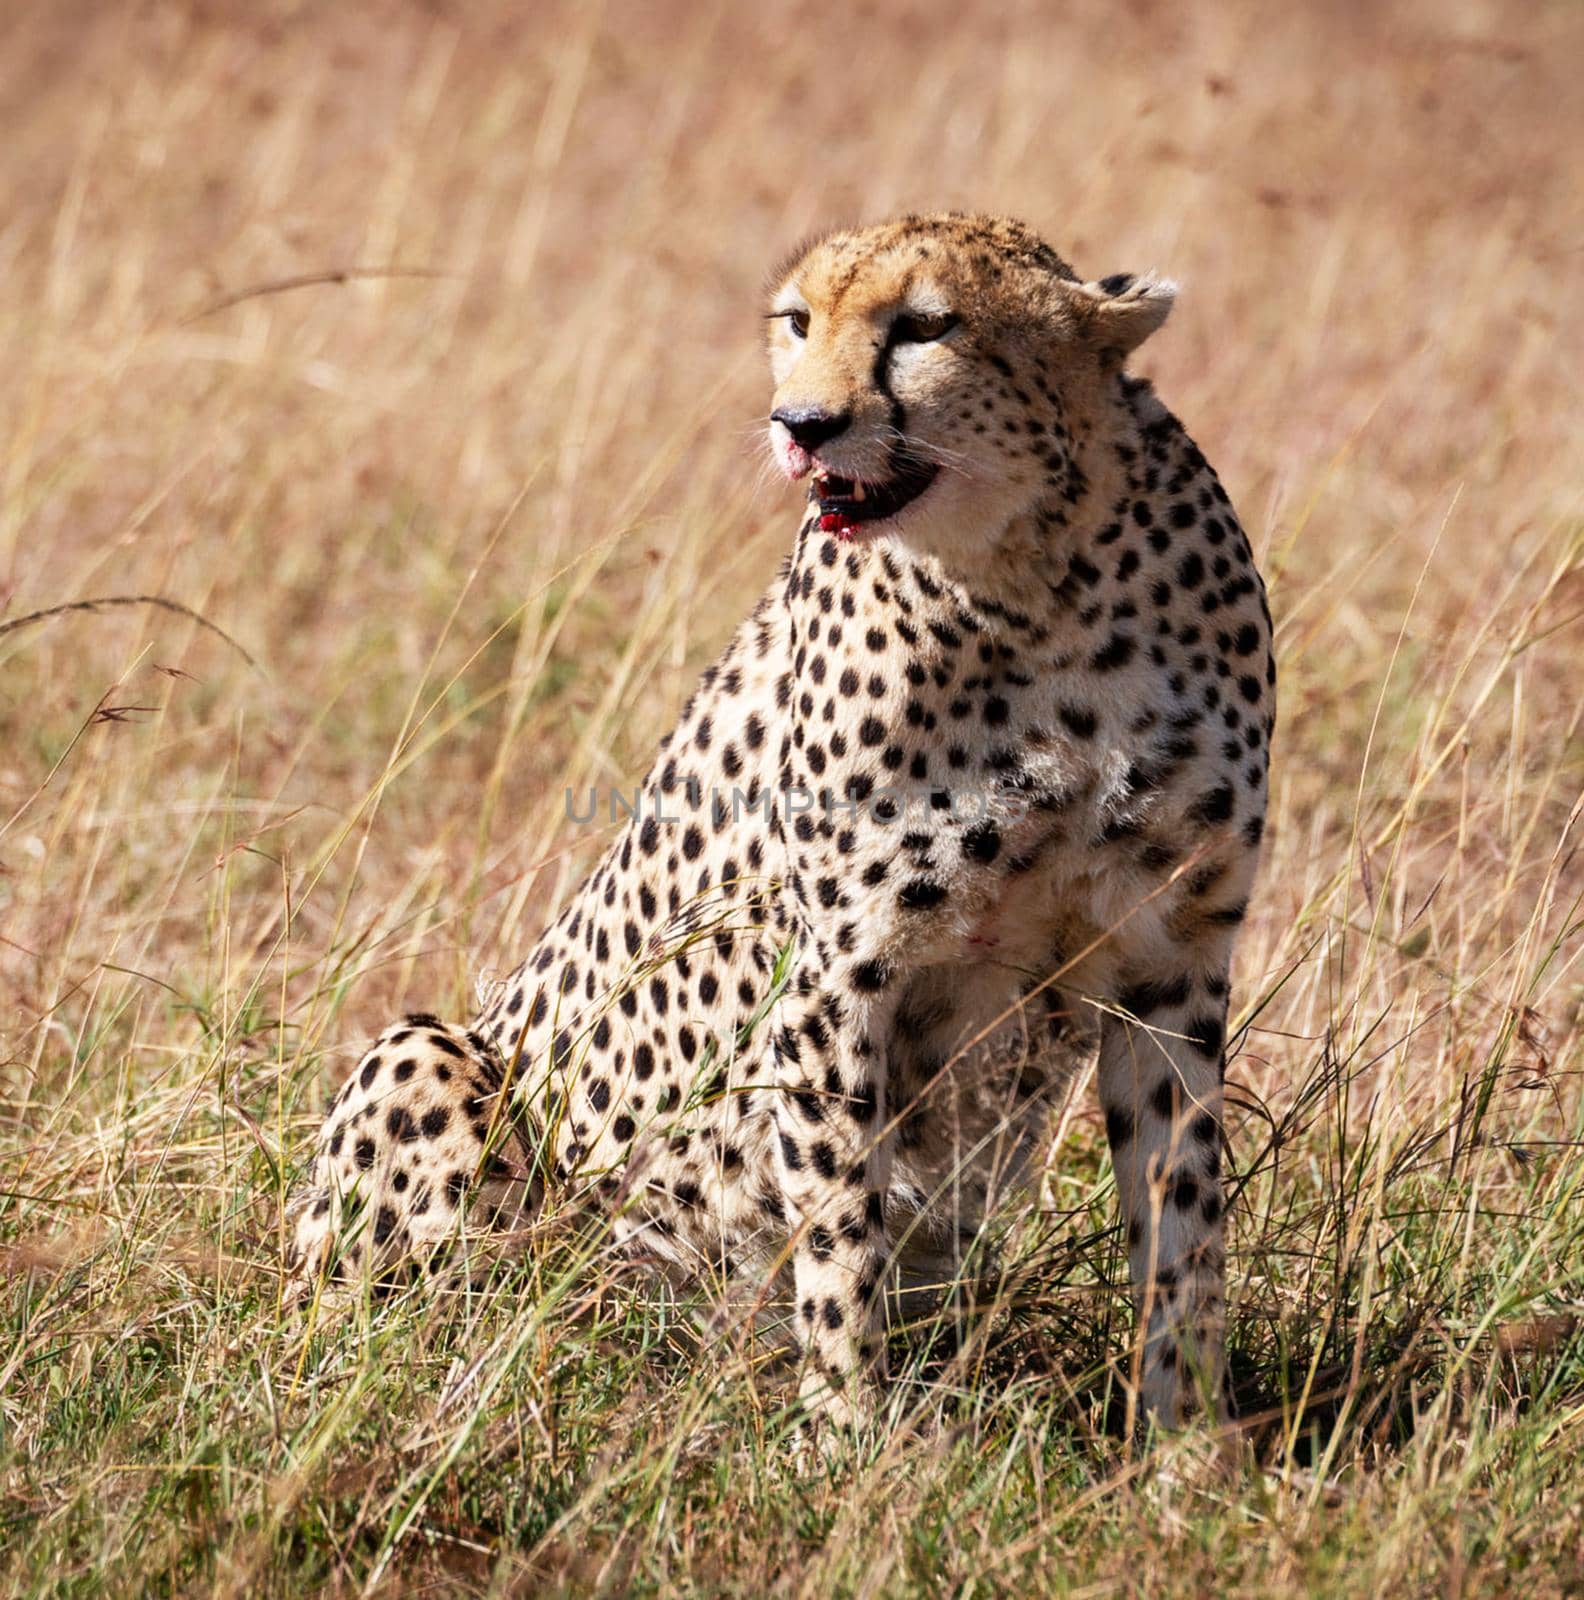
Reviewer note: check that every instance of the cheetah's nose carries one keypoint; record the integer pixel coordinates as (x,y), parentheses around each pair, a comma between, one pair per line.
(809,426)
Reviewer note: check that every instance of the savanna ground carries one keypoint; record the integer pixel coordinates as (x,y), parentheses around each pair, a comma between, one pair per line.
(479,530)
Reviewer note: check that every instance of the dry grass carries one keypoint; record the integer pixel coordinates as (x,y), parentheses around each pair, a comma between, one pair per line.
(480,529)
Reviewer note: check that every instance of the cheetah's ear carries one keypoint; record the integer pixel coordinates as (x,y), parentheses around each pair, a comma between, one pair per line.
(1124,310)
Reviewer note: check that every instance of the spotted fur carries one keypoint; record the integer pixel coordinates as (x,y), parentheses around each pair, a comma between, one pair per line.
(992,758)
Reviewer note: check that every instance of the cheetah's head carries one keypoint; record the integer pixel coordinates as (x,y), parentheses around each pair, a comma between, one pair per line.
(929,373)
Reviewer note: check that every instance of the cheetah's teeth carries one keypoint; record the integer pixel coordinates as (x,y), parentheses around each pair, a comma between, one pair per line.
(859,492)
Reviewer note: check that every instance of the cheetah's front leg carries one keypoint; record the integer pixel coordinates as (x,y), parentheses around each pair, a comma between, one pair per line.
(1160,1086)
(834,1165)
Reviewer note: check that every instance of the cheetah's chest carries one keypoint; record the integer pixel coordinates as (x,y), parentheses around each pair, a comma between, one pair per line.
(969,759)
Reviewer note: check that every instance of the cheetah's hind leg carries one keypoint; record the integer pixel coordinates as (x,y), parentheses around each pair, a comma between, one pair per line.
(422,1149)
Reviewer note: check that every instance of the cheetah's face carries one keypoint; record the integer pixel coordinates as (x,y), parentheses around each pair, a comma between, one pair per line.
(926,373)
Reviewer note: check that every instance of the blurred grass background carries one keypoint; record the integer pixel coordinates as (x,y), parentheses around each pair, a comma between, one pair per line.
(482,497)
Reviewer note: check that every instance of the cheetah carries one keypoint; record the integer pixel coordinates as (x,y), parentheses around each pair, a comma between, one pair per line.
(990,751)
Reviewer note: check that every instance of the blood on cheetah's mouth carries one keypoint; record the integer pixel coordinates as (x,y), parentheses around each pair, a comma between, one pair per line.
(845,505)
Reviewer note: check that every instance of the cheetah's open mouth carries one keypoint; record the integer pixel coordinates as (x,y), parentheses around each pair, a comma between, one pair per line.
(845,504)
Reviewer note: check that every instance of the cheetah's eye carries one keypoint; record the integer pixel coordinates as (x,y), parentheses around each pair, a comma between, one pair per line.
(796,320)
(922,329)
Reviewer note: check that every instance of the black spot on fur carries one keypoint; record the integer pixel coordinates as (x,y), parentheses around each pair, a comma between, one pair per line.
(1206,1035)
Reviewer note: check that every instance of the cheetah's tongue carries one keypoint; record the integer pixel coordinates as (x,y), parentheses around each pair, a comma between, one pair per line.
(836,519)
